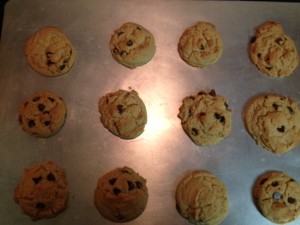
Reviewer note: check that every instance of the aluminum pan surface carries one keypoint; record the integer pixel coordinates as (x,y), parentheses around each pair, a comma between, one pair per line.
(163,153)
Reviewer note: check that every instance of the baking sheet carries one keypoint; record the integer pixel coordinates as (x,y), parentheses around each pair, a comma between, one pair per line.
(163,153)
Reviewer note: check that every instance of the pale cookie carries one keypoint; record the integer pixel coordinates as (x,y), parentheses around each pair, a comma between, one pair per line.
(43,114)
(132,45)
(205,118)
(42,191)
(121,195)
(273,121)
(272,51)
(49,52)
(277,196)
(202,198)
(123,113)
(200,45)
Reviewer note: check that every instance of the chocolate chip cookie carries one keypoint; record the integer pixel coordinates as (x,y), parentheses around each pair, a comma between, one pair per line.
(277,196)
(132,45)
(50,52)
(43,114)
(121,195)
(202,198)
(205,117)
(200,45)
(123,113)
(272,51)
(42,191)
(273,121)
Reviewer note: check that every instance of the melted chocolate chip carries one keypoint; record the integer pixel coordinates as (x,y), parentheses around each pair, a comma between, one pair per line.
(40,205)
(138,184)
(130,185)
(291,200)
(41,107)
(120,108)
(281,129)
(194,132)
(275,106)
(275,183)
(31,123)
(212,93)
(51,177)
(37,180)
(112,181)
(116,191)
(129,42)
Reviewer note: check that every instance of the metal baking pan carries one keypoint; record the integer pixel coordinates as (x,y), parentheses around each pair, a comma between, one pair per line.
(163,153)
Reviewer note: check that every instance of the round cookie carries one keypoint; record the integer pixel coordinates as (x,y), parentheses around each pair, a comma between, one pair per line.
(132,45)
(205,118)
(121,195)
(272,51)
(42,191)
(202,199)
(123,113)
(273,121)
(277,196)
(43,114)
(49,52)
(200,45)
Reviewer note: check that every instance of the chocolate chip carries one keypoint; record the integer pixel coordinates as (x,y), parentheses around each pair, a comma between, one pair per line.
(62,67)
(112,181)
(31,123)
(48,54)
(49,63)
(219,117)
(291,200)
(226,105)
(116,51)
(41,107)
(120,108)
(201,93)
(130,185)
(40,205)
(258,55)
(116,191)
(275,183)
(202,114)
(138,184)
(212,93)
(201,47)
(138,28)
(194,132)
(34,99)
(51,99)
(275,106)
(129,42)
(281,129)
(120,33)
(263,181)
(276,196)
(291,111)
(123,53)
(37,180)
(47,123)
(269,67)
(279,41)
(253,39)
(50,177)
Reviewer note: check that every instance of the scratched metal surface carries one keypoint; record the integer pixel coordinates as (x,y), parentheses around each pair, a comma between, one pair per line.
(163,153)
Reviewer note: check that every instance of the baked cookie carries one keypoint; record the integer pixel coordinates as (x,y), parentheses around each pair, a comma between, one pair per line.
(123,113)
(121,195)
(202,198)
(49,52)
(42,191)
(132,45)
(43,114)
(272,51)
(277,196)
(273,121)
(205,118)
(200,45)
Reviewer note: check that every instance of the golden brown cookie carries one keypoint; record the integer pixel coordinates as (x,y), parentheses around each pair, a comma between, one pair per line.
(200,45)
(272,51)
(205,117)
(277,196)
(50,52)
(43,114)
(132,45)
(121,195)
(201,198)
(273,121)
(123,113)
(42,191)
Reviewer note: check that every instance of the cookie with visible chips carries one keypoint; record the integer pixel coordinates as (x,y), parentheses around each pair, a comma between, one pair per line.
(200,45)
(272,51)
(202,198)
(50,52)
(123,113)
(132,45)
(42,191)
(273,121)
(43,114)
(205,117)
(121,195)
(277,196)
